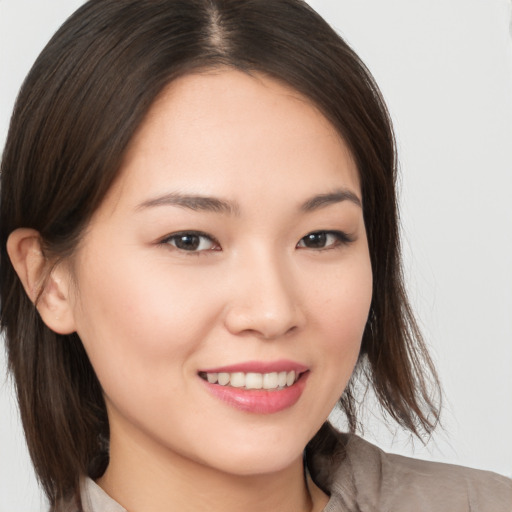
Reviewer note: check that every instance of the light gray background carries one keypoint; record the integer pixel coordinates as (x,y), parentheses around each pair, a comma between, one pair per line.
(445,68)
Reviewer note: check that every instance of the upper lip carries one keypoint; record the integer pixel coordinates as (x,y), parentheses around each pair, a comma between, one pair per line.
(281,365)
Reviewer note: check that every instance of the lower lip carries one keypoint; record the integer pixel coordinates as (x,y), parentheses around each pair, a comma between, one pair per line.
(259,401)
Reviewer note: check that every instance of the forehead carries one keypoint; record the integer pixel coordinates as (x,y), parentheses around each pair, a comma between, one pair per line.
(229,127)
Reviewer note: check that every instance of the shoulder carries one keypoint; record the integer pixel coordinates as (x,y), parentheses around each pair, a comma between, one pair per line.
(367,478)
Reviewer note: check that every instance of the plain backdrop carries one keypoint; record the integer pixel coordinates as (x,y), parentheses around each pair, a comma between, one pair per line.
(445,69)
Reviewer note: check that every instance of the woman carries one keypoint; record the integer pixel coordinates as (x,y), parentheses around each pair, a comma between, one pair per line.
(198,198)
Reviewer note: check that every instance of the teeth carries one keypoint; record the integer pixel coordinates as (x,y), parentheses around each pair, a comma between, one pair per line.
(271,380)
(223,378)
(290,378)
(237,380)
(254,381)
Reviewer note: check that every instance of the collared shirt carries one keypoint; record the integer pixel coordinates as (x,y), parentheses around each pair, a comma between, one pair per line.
(358,476)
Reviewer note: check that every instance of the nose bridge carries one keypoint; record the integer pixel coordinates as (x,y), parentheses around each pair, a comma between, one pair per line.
(265,300)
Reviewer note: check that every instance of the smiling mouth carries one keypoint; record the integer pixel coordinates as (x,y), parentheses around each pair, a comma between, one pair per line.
(267,381)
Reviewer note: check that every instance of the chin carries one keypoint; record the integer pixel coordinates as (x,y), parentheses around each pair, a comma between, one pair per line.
(257,457)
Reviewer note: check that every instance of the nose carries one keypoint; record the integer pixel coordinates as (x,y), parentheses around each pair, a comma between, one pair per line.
(264,300)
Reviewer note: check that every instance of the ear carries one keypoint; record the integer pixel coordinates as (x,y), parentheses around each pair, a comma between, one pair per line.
(50,293)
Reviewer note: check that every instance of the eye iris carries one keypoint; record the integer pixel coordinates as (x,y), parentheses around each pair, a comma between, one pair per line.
(187,242)
(315,240)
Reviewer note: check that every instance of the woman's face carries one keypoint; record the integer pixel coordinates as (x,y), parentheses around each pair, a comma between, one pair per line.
(232,246)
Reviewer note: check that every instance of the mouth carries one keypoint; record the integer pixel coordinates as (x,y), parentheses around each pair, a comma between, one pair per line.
(272,381)
(255,387)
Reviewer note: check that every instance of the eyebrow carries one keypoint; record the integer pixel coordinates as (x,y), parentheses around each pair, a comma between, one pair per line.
(323,200)
(193,202)
(217,205)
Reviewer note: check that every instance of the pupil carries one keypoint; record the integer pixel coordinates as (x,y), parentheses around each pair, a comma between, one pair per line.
(316,240)
(187,242)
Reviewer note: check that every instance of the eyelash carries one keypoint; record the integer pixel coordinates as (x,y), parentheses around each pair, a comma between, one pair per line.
(168,240)
(340,238)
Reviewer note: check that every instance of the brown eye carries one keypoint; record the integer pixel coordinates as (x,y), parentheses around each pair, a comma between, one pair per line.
(314,240)
(191,241)
(324,240)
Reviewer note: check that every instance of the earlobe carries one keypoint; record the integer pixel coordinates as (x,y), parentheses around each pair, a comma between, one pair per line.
(49,292)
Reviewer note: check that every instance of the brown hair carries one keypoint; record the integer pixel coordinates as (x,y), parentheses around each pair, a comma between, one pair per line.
(77,111)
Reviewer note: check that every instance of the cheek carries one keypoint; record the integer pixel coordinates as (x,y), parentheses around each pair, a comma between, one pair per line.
(343,313)
(133,318)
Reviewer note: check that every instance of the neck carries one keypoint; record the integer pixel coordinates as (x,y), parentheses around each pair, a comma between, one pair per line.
(142,477)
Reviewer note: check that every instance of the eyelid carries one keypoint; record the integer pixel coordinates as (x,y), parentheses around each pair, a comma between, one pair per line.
(166,240)
(342,239)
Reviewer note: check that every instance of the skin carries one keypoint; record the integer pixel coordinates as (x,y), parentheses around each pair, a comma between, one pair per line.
(151,315)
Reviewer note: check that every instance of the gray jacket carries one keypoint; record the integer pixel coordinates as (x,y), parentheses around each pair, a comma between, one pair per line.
(359,477)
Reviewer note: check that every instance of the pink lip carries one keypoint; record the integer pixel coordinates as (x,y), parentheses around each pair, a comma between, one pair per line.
(259,401)
(283,365)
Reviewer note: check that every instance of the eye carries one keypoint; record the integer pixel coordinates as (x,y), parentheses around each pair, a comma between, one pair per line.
(191,241)
(324,240)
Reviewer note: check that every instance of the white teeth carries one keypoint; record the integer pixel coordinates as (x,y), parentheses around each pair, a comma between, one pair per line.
(237,380)
(223,378)
(270,380)
(252,380)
